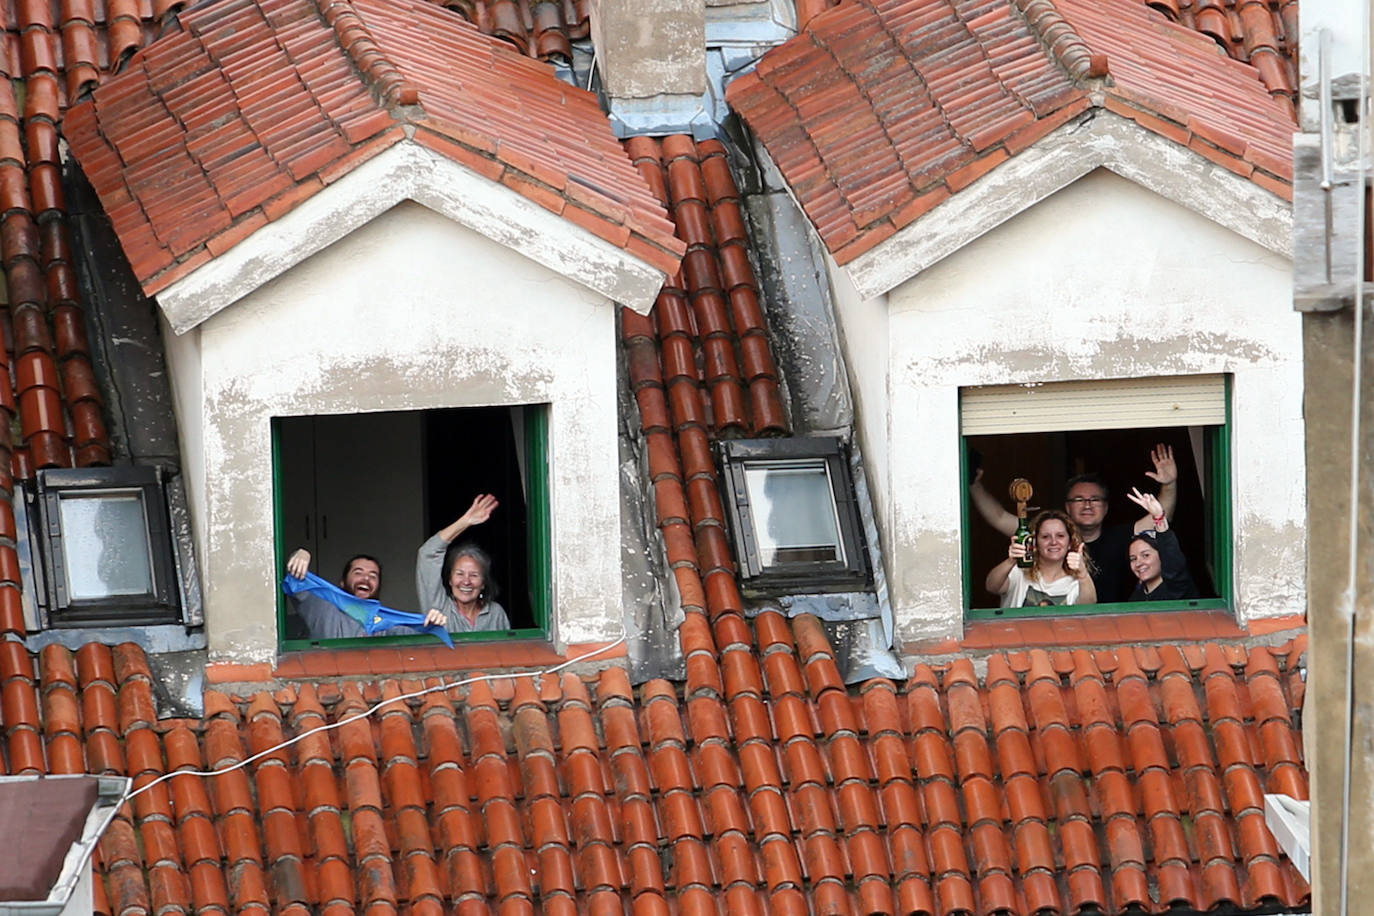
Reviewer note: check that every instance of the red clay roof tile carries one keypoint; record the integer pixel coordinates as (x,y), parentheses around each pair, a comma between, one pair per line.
(875,113)
(254,101)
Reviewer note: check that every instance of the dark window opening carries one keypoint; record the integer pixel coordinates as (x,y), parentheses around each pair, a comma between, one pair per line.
(104,546)
(382,483)
(1201,519)
(792,509)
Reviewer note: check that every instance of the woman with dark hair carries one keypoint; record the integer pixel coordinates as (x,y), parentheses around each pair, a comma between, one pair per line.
(455,579)
(1156,559)
(1060,573)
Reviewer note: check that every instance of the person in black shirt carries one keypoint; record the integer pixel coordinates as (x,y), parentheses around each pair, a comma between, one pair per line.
(1156,559)
(1085,502)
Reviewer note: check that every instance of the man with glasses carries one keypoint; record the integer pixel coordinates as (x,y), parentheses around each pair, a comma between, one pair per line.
(1085,502)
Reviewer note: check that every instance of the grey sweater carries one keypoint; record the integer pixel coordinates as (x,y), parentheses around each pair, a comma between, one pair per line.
(325,621)
(433,592)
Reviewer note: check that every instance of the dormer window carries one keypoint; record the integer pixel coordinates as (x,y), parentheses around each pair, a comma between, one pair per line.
(1050,433)
(792,509)
(423,470)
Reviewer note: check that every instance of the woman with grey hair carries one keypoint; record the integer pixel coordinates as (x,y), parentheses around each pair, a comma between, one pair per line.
(455,580)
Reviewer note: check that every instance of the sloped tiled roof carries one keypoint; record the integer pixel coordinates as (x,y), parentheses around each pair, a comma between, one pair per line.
(1115,781)
(716,375)
(214,131)
(881,110)
(544,29)
(86,40)
(759,786)
(47,377)
(1264,34)
(1257,32)
(999,814)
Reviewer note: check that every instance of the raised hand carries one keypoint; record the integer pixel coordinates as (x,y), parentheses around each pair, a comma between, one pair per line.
(1166,471)
(1074,560)
(1017,550)
(481,509)
(1147,501)
(298,564)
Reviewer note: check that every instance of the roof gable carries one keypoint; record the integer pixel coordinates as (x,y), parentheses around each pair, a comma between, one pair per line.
(879,112)
(216,131)
(1094,139)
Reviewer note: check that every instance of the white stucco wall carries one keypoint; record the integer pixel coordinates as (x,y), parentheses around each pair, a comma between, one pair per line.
(1102,279)
(409,312)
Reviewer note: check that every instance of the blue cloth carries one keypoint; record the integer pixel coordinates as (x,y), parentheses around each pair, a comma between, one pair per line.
(369,612)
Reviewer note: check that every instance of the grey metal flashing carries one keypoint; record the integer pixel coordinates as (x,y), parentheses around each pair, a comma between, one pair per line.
(127,352)
(110,792)
(661,115)
(650,603)
(126,345)
(802,322)
(796,291)
(171,637)
(737,35)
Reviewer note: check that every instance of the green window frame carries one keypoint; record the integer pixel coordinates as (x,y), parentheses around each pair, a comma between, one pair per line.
(1217,526)
(539,536)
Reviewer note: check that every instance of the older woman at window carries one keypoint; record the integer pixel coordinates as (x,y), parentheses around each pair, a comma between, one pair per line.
(455,578)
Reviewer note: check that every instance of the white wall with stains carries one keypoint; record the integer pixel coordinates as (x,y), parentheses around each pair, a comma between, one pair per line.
(1102,279)
(409,312)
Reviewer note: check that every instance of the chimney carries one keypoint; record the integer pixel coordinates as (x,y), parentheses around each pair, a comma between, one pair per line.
(651,56)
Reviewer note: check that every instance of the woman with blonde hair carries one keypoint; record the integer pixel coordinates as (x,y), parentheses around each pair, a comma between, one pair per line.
(1061,572)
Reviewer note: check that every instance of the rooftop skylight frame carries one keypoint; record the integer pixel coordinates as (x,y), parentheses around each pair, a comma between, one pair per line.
(846,570)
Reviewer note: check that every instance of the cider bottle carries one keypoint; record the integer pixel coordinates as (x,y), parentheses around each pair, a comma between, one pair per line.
(1023,537)
(1021,491)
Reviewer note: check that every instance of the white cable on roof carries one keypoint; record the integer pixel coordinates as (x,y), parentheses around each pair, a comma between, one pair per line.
(363,715)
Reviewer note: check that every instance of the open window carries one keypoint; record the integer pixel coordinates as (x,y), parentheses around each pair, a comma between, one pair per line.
(104,548)
(382,483)
(792,509)
(1048,433)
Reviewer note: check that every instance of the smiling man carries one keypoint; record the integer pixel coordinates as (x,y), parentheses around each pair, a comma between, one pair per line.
(1085,502)
(362,578)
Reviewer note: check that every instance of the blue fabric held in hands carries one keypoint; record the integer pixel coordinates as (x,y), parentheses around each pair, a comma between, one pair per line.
(369,612)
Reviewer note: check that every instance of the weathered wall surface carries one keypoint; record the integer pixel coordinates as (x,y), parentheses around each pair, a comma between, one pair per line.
(1103,279)
(1329,339)
(647,48)
(410,312)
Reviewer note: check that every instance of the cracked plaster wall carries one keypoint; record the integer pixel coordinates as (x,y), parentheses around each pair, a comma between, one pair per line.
(409,312)
(648,48)
(1102,279)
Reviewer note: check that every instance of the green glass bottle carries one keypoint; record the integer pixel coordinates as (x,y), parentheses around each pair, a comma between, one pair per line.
(1021,491)
(1023,537)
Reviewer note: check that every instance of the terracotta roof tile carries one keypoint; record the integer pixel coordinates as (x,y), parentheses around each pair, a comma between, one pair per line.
(992,795)
(1264,35)
(232,117)
(876,112)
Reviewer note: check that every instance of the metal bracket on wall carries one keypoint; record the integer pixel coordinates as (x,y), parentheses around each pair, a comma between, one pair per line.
(1326,237)
(1329,196)
(1326,240)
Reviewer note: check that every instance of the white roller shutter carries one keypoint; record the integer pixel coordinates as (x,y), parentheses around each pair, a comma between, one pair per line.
(1186,400)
